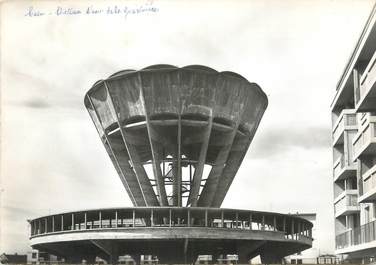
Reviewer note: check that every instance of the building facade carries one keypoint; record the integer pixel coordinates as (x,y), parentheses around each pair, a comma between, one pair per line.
(39,257)
(354,151)
(12,259)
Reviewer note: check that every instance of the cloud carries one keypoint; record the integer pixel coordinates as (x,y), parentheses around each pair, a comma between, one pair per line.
(68,102)
(275,141)
(36,104)
(17,213)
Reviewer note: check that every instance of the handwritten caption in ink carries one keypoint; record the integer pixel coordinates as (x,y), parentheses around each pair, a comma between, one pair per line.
(91,10)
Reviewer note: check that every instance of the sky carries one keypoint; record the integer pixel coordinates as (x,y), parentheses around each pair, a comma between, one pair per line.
(52,159)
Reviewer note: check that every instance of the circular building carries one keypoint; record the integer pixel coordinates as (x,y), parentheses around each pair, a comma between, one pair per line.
(177,137)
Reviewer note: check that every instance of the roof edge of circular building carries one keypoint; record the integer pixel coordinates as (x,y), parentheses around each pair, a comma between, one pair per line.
(171,207)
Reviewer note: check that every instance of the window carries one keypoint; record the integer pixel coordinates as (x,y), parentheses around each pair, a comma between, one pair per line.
(34,255)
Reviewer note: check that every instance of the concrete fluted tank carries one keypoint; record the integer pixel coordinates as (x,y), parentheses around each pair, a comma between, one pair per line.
(176,136)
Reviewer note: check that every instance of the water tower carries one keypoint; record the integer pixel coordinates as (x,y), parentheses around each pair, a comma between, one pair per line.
(176,137)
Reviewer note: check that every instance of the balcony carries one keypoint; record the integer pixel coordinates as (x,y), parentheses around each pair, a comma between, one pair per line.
(366,94)
(356,239)
(343,170)
(346,203)
(346,121)
(369,186)
(364,142)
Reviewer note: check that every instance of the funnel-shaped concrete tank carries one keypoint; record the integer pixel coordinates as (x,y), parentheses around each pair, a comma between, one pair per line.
(176,136)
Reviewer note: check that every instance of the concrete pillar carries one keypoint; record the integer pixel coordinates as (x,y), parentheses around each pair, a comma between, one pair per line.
(137,259)
(220,258)
(274,223)
(53,223)
(243,256)
(206,217)
(170,217)
(292,228)
(179,169)
(270,258)
(263,223)
(284,224)
(85,221)
(62,222)
(236,219)
(73,222)
(151,217)
(134,218)
(185,249)
(299,230)
(45,225)
(110,248)
(90,259)
(188,217)
(116,219)
(114,258)
(250,221)
(100,219)
(73,259)
(222,219)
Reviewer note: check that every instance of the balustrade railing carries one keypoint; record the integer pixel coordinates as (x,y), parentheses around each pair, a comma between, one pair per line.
(346,201)
(369,179)
(368,76)
(359,235)
(366,134)
(346,118)
(293,227)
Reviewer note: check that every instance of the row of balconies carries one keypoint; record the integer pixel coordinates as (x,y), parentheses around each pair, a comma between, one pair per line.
(346,203)
(365,94)
(354,148)
(359,235)
(364,142)
(369,186)
(343,166)
(346,121)
(343,170)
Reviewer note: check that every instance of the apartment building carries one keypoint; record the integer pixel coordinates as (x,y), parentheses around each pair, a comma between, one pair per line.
(354,151)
